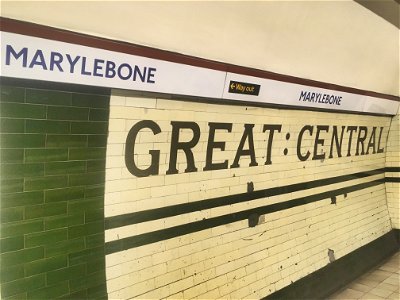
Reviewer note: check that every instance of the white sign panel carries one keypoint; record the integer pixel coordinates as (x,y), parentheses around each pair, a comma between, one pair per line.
(41,59)
(284,93)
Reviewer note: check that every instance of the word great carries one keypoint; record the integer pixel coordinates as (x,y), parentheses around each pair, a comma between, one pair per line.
(78,64)
(342,139)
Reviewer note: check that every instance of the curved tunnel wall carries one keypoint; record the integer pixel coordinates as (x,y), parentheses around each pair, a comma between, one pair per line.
(202,198)
(232,226)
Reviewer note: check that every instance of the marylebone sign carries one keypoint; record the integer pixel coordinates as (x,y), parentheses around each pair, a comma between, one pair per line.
(42,59)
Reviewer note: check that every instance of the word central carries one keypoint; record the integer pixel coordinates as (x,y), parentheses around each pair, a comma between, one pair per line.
(343,140)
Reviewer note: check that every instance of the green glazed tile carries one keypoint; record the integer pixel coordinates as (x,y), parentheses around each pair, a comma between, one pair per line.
(12,125)
(94,191)
(97,140)
(22,170)
(11,155)
(88,281)
(45,126)
(89,127)
(45,210)
(64,221)
(11,244)
(82,294)
(11,214)
(20,228)
(95,214)
(67,113)
(23,285)
(11,185)
(22,296)
(20,257)
(98,114)
(46,237)
(86,205)
(65,247)
(50,292)
(65,167)
(45,155)
(95,240)
(87,153)
(87,179)
(11,273)
(97,265)
(46,265)
(99,291)
(86,256)
(85,229)
(64,194)
(48,97)
(89,100)
(22,140)
(22,110)
(22,199)
(12,94)
(96,165)
(64,141)
(73,272)
(46,182)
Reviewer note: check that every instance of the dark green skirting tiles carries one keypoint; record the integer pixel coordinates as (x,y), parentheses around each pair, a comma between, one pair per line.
(53,150)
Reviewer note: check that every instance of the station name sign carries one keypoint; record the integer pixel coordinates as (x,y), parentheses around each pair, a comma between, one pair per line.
(35,58)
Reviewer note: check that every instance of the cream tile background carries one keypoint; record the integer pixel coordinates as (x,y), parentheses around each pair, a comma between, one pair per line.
(233,260)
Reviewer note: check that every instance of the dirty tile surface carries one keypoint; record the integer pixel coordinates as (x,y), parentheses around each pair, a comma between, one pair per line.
(379,283)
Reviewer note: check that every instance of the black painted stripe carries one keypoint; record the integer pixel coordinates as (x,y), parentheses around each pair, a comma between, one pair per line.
(392,169)
(164,234)
(174,210)
(392,179)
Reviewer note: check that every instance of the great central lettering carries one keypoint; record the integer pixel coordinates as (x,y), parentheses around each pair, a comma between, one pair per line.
(343,141)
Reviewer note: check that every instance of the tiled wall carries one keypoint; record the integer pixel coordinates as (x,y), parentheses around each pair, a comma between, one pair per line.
(393,171)
(185,235)
(53,147)
(189,235)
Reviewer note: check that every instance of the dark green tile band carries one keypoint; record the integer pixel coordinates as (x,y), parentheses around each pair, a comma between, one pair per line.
(12,94)
(11,155)
(46,265)
(45,155)
(39,96)
(53,147)
(22,110)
